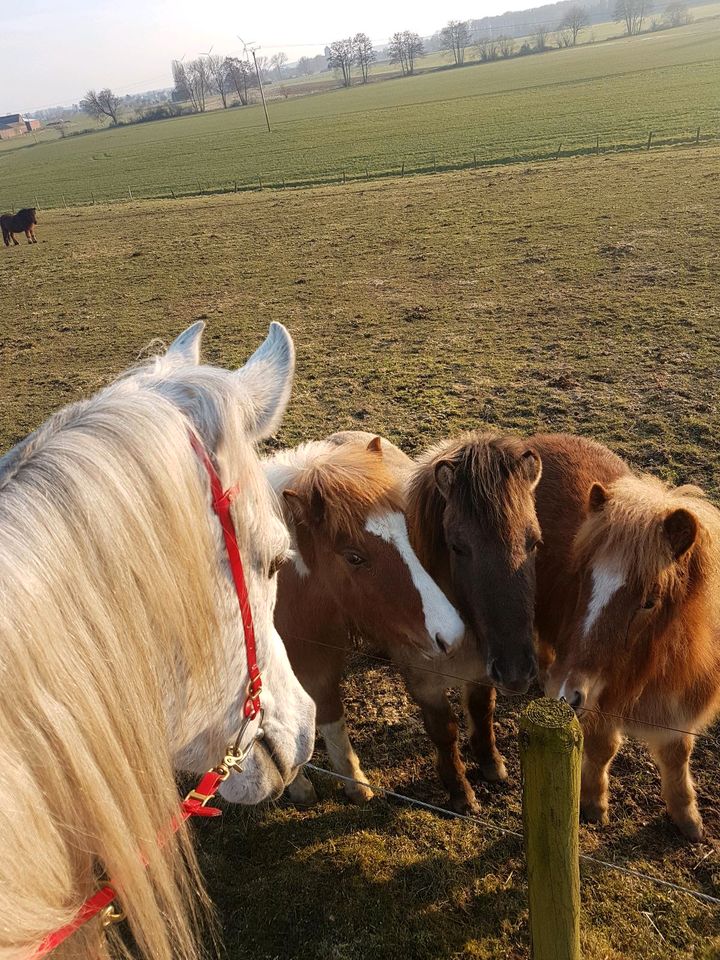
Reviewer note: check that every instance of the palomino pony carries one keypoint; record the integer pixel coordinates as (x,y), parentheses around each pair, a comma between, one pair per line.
(24,221)
(471,517)
(354,573)
(638,633)
(122,644)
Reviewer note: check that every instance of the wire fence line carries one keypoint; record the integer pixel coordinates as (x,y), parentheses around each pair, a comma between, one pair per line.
(358,170)
(454,678)
(516,835)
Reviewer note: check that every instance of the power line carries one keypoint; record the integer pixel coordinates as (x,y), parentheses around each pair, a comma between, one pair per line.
(478,821)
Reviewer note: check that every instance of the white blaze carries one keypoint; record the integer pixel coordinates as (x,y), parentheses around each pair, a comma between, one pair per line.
(607,578)
(441,617)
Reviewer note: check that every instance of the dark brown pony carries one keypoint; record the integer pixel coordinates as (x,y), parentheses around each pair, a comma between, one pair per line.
(21,222)
(629,608)
(472,520)
(353,573)
(472,523)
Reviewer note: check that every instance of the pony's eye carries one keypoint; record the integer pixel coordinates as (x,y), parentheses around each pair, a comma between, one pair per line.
(532,544)
(354,559)
(275,565)
(650,602)
(459,550)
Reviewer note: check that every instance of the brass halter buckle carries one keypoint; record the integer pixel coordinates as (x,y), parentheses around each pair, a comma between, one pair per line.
(110,915)
(235,753)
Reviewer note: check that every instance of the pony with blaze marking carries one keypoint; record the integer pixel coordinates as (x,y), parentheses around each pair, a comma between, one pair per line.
(122,645)
(642,634)
(471,517)
(354,573)
(24,221)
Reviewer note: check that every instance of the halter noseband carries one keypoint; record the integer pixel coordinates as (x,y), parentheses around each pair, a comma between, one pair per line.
(196,802)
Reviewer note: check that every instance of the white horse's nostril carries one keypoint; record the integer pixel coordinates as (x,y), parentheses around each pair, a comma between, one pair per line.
(442,644)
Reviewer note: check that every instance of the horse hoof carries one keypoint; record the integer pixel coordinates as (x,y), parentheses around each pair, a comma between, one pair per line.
(358,793)
(593,812)
(494,771)
(466,805)
(690,827)
(302,794)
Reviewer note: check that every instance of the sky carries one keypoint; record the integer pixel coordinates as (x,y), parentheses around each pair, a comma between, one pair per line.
(52,51)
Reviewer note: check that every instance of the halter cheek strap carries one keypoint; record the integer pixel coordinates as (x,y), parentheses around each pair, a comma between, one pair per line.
(196,802)
(221,503)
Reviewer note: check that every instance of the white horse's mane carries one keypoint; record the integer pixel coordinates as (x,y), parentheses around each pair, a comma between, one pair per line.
(111,592)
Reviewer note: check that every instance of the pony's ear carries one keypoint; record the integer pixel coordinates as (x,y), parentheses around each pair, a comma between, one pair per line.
(597,498)
(186,347)
(267,377)
(294,503)
(681,530)
(444,477)
(531,466)
(375,446)
(317,507)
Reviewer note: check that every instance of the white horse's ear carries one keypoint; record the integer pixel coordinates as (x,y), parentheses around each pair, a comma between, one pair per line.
(186,347)
(267,377)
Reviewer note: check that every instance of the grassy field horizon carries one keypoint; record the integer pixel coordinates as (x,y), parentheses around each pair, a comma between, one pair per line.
(522,108)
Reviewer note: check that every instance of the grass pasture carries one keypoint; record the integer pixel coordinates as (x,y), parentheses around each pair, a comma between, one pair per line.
(520,109)
(579,295)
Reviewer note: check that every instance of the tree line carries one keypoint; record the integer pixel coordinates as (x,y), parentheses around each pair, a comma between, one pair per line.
(195,81)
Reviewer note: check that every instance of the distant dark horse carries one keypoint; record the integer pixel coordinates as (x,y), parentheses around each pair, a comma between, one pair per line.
(22,222)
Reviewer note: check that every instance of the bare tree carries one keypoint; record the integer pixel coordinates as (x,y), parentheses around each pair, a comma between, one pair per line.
(180,82)
(632,13)
(575,20)
(563,37)
(455,37)
(263,65)
(241,76)
(198,82)
(506,46)
(278,61)
(488,49)
(217,75)
(303,66)
(364,54)
(342,55)
(405,48)
(678,14)
(540,36)
(101,105)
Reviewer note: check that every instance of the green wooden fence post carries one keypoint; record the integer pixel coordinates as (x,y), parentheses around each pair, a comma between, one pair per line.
(550,755)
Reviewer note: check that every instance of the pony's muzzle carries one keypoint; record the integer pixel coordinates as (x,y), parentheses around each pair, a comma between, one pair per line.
(515,679)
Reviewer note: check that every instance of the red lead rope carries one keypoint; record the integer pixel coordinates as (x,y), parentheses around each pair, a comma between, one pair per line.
(195,803)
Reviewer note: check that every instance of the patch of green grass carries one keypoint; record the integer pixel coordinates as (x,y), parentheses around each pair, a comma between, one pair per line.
(522,108)
(580,295)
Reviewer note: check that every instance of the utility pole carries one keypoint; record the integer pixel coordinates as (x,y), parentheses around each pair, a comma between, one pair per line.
(259,78)
(262,92)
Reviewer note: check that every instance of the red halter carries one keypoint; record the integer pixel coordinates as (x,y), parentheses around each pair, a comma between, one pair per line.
(195,803)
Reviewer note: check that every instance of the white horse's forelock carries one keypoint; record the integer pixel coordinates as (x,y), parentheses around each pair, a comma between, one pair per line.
(121,649)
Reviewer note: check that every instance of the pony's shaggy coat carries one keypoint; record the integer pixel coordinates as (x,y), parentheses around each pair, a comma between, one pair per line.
(112,674)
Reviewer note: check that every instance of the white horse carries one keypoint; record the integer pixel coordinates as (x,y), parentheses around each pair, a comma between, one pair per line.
(122,651)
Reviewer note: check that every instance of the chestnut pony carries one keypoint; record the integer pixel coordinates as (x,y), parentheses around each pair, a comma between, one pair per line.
(353,573)
(629,606)
(472,522)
